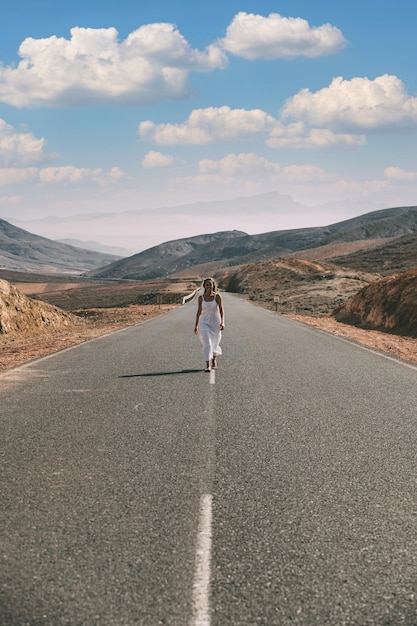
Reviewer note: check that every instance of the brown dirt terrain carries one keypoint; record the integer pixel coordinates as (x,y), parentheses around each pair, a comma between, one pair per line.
(31,328)
(21,315)
(400,347)
(89,294)
(388,305)
(309,291)
(331,250)
(303,286)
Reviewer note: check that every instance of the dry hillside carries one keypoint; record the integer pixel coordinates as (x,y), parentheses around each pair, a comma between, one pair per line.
(234,248)
(388,257)
(21,250)
(21,315)
(308,291)
(390,304)
(303,286)
(78,295)
(30,329)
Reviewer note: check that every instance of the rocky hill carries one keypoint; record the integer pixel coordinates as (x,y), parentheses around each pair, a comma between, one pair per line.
(23,251)
(317,289)
(230,248)
(387,258)
(303,286)
(20,315)
(173,256)
(388,304)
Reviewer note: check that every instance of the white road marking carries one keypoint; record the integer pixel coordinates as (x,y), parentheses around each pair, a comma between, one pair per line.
(212,379)
(201,588)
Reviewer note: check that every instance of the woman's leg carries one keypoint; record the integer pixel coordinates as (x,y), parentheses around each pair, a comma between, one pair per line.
(205,338)
(215,343)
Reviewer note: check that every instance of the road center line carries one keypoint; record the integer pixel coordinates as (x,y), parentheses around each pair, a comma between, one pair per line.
(212,379)
(201,587)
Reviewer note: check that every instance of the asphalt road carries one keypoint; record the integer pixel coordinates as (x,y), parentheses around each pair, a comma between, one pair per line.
(136,489)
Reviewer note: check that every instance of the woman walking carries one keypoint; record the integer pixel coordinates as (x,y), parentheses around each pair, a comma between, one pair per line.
(209,323)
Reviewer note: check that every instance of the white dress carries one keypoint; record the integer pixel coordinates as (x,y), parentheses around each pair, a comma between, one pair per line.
(209,328)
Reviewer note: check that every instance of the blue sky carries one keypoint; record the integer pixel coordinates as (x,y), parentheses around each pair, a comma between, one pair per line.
(119,106)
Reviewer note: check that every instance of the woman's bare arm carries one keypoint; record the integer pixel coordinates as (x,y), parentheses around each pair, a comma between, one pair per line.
(197,317)
(221,309)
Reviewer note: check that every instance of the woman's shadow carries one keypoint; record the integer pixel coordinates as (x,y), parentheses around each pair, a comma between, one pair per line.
(150,374)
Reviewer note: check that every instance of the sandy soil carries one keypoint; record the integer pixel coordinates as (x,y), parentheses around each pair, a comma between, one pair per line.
(402,347)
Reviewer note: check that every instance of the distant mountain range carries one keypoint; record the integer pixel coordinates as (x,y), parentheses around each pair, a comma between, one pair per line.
(205,253)
(96,246)
(140,229)
(24,251)
(381,241)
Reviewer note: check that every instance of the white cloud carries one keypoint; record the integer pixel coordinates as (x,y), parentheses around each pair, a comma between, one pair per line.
(65,175)
(247,173)
(17,175)
(74,175)
(254,36)
(114,175)
(399,175)
(17,148)
(302,174)
(10,200)
(150,65)
(156,160)
(250,164)
(298,135)
(357,104)
(239,165)
(205,126)
(252,171)
(233,175)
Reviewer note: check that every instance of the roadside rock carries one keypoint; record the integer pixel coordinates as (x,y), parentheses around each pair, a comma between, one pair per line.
(388,304)
(22,315)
